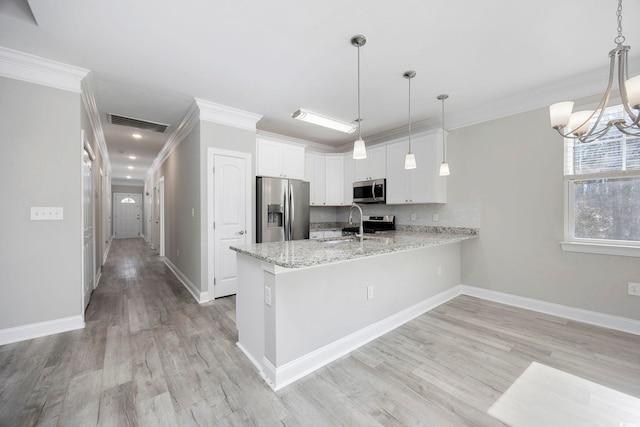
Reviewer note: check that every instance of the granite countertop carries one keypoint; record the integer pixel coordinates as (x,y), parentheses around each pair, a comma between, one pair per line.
(307,253)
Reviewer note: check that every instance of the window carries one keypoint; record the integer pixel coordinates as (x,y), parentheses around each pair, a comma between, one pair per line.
(127,200)
(602,187)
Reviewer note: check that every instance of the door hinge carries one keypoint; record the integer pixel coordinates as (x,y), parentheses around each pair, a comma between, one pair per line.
(214,225)
(214,281)
(214,169)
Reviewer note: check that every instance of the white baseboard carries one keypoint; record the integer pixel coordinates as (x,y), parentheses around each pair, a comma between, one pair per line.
(586,316)
(279,377)
(41,329)
(200,297)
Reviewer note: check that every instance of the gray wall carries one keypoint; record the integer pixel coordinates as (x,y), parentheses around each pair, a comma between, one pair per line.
(40,261)
(228,138)
(513,169)
(181,171)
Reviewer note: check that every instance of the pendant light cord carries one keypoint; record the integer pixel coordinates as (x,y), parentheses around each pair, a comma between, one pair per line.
(444,151)
(409,115)
(359,120)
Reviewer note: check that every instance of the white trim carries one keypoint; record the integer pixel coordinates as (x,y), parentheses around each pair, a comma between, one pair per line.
(34,69)
(229,116)
(286,374)
(200,297)
(188,123)
(91,107)
(40,329)
(211,153)
(599,248)
(609,321)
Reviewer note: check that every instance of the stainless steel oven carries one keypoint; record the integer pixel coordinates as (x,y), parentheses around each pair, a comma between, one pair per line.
(373,191)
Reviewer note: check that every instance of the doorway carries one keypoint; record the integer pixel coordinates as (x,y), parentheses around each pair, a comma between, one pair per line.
(127,215)
(229,194)
(88,217)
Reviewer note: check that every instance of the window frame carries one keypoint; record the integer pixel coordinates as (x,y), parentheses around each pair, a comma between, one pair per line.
(587,245)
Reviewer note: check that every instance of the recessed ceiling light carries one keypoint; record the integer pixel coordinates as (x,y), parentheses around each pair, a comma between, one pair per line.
(132,157)
(128,176)
(136,135)
(130,167)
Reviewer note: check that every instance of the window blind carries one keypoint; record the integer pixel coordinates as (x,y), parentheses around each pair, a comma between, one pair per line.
(613,154)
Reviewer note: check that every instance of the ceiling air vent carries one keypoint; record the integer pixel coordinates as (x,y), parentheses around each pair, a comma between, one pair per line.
(136,123)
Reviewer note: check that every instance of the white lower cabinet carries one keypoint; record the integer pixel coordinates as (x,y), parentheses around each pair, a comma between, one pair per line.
(422,184)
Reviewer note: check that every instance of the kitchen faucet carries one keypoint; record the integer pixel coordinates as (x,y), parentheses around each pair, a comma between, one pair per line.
(361,235)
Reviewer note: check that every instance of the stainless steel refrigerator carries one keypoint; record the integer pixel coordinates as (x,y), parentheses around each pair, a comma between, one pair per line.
(282,209)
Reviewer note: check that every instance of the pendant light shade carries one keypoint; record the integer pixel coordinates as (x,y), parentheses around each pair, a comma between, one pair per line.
(444,167)
(359,149)
(410,158)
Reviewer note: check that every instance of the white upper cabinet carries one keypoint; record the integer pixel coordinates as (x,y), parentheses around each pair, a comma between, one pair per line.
(373,167)
(348,178)
(334,179)
(420,185)
(316,174)
(279,159)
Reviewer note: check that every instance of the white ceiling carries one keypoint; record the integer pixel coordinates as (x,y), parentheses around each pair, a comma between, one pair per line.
(150,58)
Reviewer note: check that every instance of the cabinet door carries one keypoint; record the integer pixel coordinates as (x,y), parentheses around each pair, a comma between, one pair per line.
(360,169)
(398,191)
(377,162)
(269,161)
(293,161)
(334,180)
(318,180)
(348,178)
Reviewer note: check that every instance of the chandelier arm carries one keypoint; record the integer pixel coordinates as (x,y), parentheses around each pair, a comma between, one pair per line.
(626,132)
(586,138)
(622,77)
(602,105)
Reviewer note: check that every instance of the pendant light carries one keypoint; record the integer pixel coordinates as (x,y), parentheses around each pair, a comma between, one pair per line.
(410,158)
(578,125)
(444,167)
(359,149)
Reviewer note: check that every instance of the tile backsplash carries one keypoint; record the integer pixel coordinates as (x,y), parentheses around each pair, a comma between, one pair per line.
(456,214)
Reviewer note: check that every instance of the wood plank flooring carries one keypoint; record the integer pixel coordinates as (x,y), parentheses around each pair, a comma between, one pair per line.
(150,355)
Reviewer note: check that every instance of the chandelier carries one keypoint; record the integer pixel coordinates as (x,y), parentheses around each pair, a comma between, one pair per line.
(579,125)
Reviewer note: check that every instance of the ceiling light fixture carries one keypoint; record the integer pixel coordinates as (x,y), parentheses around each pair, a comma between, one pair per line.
(132,157)
(576,125)
(410,158)
(129,167)
(320,120)
(128,176)
(136,135)
(359,149)
(444,167)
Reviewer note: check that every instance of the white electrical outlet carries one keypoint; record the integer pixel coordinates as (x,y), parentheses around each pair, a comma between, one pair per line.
(267,296)
(193,212)
(439,271)
(177,252)
(370,292)
(413,216)
(634,289)
(46,214)
(435,217)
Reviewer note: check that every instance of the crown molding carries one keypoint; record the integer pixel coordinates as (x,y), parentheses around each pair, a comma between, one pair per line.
(229,116)
(91,106)
(190,120)
(34,69)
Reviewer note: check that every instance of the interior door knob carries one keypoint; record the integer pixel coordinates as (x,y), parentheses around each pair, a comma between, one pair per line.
(241,232)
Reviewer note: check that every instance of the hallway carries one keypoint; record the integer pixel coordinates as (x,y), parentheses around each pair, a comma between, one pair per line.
(150,355)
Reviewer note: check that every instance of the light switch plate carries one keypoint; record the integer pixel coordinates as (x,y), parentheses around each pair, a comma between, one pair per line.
(46,214)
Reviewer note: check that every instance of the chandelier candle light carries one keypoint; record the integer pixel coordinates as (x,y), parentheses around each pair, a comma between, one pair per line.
(359,149)
(410,159)
(444,167)
(576,125)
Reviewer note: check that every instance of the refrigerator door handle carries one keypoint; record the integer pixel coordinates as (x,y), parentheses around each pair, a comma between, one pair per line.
(286,219)
(292,212)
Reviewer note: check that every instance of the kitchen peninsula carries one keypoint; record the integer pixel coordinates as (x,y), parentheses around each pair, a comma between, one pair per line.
(302,304)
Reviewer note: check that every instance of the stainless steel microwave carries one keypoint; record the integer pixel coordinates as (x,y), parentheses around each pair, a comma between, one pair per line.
(373,191)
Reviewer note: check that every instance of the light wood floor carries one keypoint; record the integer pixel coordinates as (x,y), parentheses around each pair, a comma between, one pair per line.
(150,355)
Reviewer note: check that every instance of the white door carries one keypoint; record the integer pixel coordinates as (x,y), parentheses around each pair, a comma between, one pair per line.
(88,254)
(161,217)
(230,199)
(128,210)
